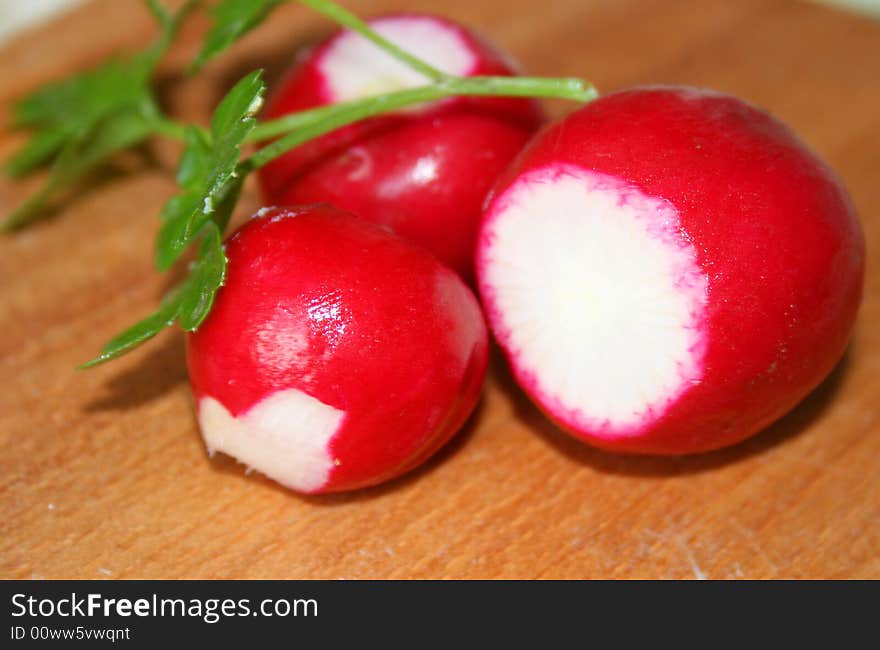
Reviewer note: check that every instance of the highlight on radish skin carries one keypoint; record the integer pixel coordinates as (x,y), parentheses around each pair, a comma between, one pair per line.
(336,355)
(669,270)
(423,172)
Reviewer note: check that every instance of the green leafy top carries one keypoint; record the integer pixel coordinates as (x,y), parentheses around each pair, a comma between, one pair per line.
(211,180)
(83,120)
(209,171)
(79,123)
(188,303)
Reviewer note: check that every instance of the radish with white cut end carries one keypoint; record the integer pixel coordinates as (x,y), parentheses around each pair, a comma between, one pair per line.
(424,171)
(669,270)
(336,355)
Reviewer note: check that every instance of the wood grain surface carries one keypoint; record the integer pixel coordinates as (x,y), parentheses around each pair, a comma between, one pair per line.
(104,474)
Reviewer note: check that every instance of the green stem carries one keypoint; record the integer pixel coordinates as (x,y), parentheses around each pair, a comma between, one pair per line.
(559,88)
(563,88)
(347,19)
(170,26)
(159,12)
(310,124)
(333,117)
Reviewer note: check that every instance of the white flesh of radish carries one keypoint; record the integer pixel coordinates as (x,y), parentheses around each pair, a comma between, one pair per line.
(285,436)
(353,67)
(597,296)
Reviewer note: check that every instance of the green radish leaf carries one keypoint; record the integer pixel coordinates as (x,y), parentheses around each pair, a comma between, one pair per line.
(223,210)
(79,122)
(82,153)
(239,105)
(115,132)
(210,174)
(63,113)
(211,180)
(188,303)
(232,20)
(172,239)
(206,276)
(195,162)
(169,24)
(138,333)
(84,98)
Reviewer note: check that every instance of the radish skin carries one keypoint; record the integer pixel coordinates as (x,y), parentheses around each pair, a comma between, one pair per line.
(669,270)
(337,355)
(423,172)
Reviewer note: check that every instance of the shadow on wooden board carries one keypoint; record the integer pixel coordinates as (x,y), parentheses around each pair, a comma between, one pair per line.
(789,426)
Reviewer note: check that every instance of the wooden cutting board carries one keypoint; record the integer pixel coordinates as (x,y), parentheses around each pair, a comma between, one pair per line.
(104,474)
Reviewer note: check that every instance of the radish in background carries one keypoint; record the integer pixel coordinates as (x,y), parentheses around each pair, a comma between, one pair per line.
(423,172)
(669,270)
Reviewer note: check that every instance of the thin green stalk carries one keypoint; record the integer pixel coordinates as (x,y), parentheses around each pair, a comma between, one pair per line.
(347,19)
(170,26)
(562,88)
(333,117)
(301,127)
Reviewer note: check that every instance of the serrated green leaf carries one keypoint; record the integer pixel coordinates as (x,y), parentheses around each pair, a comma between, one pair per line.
(173,238)
(206,276)
(210,173)
(188,303)
(211,181)
(188,213)
(177,204)
(223,211)
(62,112)
(110,104)
(241,103)
(232,20)
(81,154)
(137,334)
(195,162)
(116,132)
(85,97)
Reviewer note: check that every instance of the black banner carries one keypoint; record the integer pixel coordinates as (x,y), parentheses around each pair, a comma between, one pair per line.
(136,613)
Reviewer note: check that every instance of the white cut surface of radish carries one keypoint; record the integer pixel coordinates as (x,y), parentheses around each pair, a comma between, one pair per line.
(353,67)
(597,295)
(284,436)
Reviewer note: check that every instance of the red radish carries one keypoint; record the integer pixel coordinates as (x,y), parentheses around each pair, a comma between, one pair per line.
(422,172)
(336,355)
(669,270)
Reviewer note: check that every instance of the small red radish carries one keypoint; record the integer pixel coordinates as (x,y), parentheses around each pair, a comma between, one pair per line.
(336,355)
(423,172)
(669,270)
